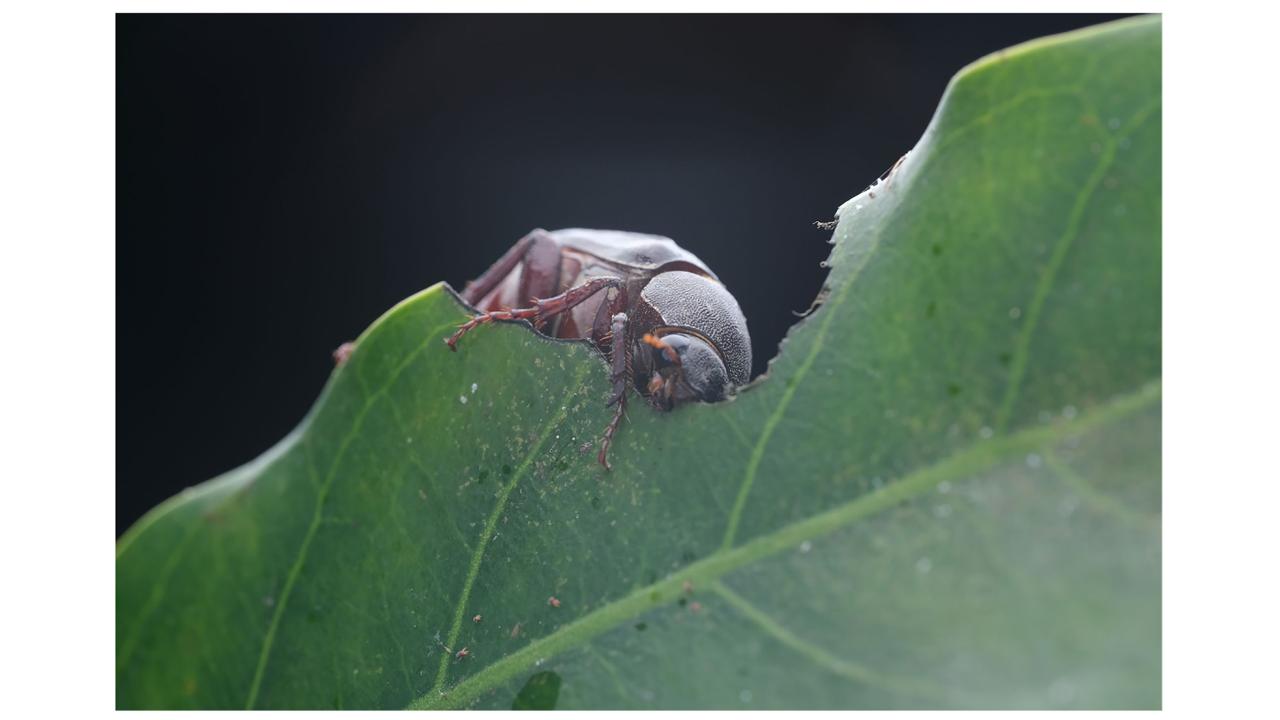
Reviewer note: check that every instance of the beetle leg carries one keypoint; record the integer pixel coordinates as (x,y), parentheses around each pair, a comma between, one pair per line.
(621,363)
(475,290)
(542,310)
(540,272)
(620,359)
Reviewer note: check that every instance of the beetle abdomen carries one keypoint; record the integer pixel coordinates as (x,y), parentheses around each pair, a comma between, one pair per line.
(688,300)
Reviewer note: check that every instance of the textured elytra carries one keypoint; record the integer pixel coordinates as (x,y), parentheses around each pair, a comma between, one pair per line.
(945,494)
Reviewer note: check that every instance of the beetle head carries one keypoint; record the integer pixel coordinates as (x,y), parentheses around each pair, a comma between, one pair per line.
(684,368)
(715,332)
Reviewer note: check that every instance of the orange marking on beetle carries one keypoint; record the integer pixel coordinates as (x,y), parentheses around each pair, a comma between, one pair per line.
(657,344)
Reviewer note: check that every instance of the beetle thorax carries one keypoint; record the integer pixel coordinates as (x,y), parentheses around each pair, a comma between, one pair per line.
(679,299)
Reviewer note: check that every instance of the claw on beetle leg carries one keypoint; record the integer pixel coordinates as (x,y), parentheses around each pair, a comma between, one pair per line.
(609,430)
(464,328)
(543,309)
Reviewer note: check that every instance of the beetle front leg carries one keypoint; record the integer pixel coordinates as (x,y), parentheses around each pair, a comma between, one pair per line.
(542,310)
(621,377)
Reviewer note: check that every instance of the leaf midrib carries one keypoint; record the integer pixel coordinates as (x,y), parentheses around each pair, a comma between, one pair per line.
(975,458)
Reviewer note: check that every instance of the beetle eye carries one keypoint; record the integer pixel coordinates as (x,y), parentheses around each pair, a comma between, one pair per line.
(664,348)
(702,371)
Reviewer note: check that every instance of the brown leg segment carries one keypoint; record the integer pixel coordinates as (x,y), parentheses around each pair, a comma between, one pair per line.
(540,274)
(620,358)
(475,290)
(542,310)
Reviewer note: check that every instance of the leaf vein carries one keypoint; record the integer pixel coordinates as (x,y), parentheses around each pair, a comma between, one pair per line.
(486,534)
(771,424)
(1095,498)
(1048,277)
(158,591)
(820,657)
(980,456)
(295,570)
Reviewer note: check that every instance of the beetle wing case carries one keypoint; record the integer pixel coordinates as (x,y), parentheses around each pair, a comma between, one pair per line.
(629,249)
(687,300)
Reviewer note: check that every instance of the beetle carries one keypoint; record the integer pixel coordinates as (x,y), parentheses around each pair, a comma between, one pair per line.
(660,317)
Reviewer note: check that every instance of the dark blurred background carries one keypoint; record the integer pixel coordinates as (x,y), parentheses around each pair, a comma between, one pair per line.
(282,180)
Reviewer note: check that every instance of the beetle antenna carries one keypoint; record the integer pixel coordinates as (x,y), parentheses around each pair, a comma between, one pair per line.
(667,350)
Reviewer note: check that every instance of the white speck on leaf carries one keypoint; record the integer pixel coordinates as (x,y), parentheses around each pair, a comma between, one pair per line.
(462,399)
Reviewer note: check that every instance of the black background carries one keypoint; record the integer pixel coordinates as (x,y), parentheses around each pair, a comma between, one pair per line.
(282,180)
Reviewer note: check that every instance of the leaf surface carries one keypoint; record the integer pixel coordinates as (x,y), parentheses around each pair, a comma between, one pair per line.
(946,492)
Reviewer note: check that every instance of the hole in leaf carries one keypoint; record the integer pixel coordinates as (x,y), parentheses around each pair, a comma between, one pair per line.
(540,692)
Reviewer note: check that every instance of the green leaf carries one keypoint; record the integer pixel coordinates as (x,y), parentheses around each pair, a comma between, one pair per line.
(946,493)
